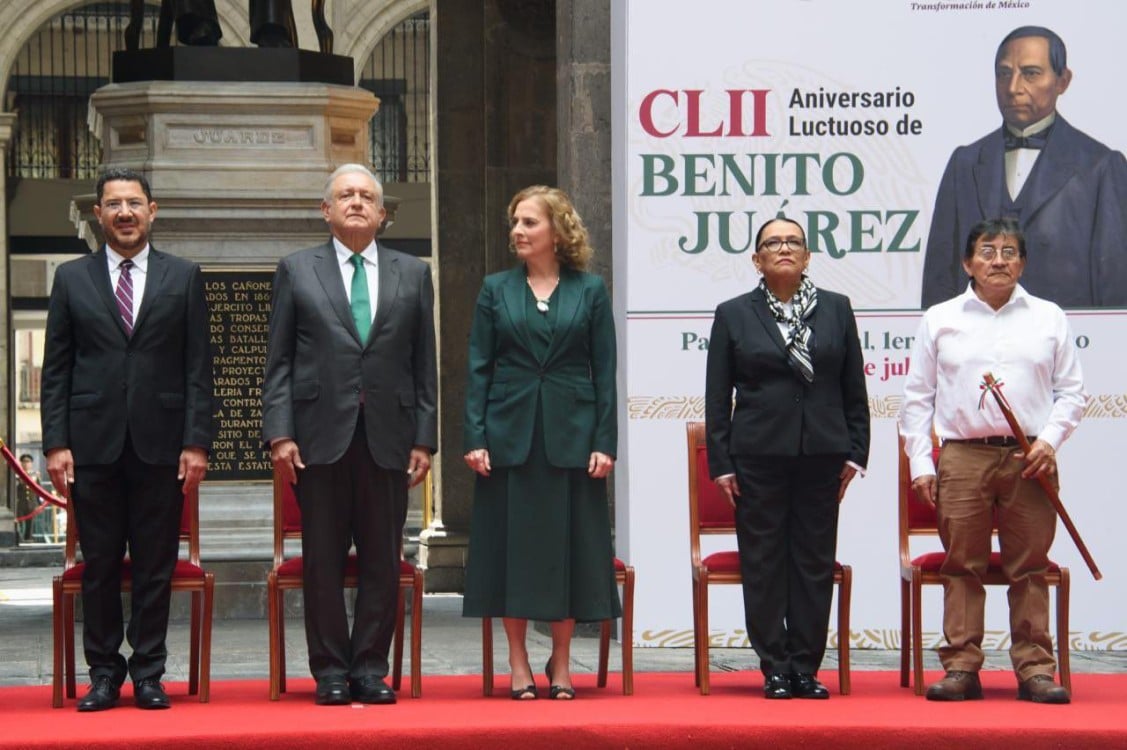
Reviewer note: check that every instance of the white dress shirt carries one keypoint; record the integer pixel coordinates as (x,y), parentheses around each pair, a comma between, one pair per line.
(1020,161)
(137,274)
(1027,345)
(371,268)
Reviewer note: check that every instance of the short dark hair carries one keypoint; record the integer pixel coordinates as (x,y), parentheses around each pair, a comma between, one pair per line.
(1058,56)
(123,174)
(26,457)
(773,219)
(990,228)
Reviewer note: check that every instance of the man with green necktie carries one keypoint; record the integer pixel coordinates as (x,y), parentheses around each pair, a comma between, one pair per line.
(349,410)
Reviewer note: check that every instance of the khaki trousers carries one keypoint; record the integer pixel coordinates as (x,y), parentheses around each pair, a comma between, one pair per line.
(977,482)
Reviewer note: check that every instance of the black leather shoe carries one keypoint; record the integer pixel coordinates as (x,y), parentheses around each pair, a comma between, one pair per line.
(371,689)
(103,695)
(149,694)
(332,691)
(803,685)
(776,687)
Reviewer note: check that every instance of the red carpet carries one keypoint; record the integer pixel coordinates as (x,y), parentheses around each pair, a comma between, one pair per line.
(665,711)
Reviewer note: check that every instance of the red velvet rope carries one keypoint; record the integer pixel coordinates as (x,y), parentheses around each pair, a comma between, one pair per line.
(31,483)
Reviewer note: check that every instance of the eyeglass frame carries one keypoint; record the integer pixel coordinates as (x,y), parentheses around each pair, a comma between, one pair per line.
(794,244)
(988,253)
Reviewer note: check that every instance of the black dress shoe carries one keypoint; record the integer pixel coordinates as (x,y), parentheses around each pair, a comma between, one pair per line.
(103,695)
(332,691)
(776,686)
(805,685)
(149,694)
(371,689)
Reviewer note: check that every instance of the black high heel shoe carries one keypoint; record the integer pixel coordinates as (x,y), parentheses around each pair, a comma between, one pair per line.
(556,691)
(525,694)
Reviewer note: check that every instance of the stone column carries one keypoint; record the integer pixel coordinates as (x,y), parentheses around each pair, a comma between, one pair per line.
(7,415)
(495,132)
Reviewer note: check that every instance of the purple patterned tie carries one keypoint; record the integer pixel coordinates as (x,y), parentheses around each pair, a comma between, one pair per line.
(124,295)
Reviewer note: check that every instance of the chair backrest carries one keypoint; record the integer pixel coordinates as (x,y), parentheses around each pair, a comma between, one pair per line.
(189,530)
(709,509)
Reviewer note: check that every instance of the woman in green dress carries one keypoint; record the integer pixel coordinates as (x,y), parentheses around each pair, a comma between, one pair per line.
(541,433)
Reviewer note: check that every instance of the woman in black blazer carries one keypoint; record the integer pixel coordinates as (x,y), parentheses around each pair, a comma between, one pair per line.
(540,432)
(787,356)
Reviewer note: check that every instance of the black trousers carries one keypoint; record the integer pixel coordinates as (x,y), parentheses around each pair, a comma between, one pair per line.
(134,505)
(351,501)
(786,526)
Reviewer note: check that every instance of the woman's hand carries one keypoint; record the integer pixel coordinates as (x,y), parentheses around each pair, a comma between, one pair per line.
(599,465)
(478,460)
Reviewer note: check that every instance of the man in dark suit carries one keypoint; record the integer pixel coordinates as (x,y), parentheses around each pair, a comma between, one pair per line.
(127,426)
(1066,190)
(787,423)
(349,409)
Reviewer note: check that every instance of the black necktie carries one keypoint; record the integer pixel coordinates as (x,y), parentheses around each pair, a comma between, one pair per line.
(1036,141)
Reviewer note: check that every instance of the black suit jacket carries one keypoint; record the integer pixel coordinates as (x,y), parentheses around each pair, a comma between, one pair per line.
(316,365)
(776,414)
(1072,210)
(98,382)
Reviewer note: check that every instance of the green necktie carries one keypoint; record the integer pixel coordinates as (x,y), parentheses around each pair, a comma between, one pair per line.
(361,306)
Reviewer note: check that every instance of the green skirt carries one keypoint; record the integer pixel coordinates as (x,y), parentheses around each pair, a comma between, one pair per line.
(540,544)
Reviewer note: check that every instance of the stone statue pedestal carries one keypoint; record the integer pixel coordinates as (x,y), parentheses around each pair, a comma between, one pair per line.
(238,171)
(231,64)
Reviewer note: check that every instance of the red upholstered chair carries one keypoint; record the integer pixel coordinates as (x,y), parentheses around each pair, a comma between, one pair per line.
(624,575)
(286,575)
(711,514)
(188,576)
(917,518)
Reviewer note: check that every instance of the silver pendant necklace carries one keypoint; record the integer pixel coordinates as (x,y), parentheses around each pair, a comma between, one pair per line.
(542,302)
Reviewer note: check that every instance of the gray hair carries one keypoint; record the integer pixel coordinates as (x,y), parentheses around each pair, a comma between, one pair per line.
(352,169)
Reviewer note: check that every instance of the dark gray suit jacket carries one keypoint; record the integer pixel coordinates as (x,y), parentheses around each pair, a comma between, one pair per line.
(97,382)
(317,367)
(774,413)
(1072,210)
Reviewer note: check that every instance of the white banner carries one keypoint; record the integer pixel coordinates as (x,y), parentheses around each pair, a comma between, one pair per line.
(842,116)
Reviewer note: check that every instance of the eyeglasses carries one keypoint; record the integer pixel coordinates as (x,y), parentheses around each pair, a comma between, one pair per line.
(989,253)
(775,245)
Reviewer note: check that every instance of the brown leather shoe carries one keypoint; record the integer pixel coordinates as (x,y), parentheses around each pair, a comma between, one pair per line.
(1040,688)
(956,686)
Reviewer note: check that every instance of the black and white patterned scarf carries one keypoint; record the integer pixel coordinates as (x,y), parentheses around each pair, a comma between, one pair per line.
(800,337)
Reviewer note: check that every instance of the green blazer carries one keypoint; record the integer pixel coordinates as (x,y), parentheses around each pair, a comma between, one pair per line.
(574,383)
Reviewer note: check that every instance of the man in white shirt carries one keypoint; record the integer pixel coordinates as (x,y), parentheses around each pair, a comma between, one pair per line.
(1066,190)
(994,326)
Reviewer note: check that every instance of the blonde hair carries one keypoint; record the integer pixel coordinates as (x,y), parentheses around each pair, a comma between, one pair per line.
(573,247)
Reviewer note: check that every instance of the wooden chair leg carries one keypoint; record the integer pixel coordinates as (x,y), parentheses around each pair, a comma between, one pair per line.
(205,636)
(397,658)
(1063,645)
(604,652)
(905,624)
(487,656)
(917,633)
(696,632)
(702,626)
(417,635)
(68,644)
(194,643)
(58,657)
(844,600)
(277,637)
(627,634)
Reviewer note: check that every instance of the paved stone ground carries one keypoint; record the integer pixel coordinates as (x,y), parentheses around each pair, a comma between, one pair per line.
(451,644)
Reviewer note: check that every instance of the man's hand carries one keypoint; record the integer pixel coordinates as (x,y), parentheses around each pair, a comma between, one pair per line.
(478,460)
(599,465)
(286,459)
(846,476)
(60,467)
(193,465)
(926,488)
(418,465)
(730,487)
(1041,460)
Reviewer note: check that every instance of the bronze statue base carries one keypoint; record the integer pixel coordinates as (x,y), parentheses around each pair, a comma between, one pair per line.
(232,64)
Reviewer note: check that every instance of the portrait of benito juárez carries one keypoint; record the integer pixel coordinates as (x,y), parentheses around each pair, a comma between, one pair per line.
(1067,190)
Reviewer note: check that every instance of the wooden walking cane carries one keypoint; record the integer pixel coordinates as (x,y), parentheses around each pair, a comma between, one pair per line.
(995,388)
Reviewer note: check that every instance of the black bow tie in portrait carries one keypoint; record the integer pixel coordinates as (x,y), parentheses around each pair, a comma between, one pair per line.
(1034,141)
